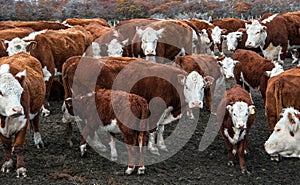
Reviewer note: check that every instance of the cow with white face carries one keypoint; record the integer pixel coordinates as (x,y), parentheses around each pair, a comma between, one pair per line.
(239,113)
(270,35)
(285,138)
(227,66)
(232,39)
(149,37)
(16,45)
(217,38)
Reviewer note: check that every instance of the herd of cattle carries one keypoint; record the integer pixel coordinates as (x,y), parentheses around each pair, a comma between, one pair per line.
(119,71)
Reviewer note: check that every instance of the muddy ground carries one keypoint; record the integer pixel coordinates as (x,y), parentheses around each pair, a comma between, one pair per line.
(60,164)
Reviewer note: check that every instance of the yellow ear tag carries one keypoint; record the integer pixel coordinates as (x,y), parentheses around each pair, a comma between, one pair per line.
(252,111)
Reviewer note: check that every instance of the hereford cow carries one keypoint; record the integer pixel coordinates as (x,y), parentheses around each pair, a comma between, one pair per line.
(8,34)
(111,43)
(127,28)
(284,140)
(52,48)
(174,87)
(271,35)
(118,112)
(252,70)
(282,91)
(35,25)
(22,94)
(207,67)
(235,114)
(84,22)
(162,41)
(227,25)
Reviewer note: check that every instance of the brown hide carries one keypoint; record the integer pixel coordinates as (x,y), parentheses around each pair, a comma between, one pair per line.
(36,25)
(84,22)
(230,24)
(282,91)
(254,67)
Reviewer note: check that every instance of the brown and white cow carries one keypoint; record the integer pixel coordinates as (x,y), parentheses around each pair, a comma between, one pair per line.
(176,88)
(284,140)
(162,41)
(226,25)
(84,22)
(52,48)
(35,25)
(235,114)
(127,28)
(22,92)
(207,66)
(8,34)
(282,91)
(116,112)
(252,70)
(271,35)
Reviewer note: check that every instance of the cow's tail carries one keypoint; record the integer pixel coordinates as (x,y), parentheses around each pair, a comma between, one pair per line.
(278,98)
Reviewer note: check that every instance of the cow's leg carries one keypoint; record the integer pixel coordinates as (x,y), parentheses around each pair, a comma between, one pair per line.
(160,138)
(230,153)
(113,150)
(131,143)
(142,150)
(241,156)
(7,147)
(37,138)
(208,99)
(86,131)
(96,143)
(45,108)
(151,143)
(19,151)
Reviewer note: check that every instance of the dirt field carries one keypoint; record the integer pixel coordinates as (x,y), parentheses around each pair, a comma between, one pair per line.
(60,164)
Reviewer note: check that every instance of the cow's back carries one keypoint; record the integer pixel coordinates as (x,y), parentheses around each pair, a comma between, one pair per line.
(282,91)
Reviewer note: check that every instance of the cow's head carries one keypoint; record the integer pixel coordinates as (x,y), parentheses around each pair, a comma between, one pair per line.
(216,34)
(233,39)
(10,92)
(204,37)
(275,71)
(239,112)
(194,85)
(149,38)
(257,34)
(285,138)
(115,48)
(18,45)
(227,66)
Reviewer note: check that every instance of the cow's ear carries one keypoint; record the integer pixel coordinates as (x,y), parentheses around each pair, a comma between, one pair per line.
(181,79)
(224,31)
(251,109)
(264,28)
(4,43)
(229,108)
(159,32)
(4,68)
(209,80)
(31,45)
(20,76)
(139,31)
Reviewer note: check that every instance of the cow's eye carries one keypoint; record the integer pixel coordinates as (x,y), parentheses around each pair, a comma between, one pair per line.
(225,67)
(257,32)
(234,114)
(278,130)
(186,87)
(1,93)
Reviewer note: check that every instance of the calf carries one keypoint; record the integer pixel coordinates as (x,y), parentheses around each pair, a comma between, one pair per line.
(22,94)
(252,70)
(284,140)
(118,112)
(235,114)
(282,91)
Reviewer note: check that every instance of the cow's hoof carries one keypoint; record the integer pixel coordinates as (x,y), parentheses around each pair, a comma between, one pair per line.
(275,158)
(141,170)
(82,150)
(45,112)
(38,140)
(163,147)
(114,158)
(234,152)
(21,172)
(154,150)
(246,152)
(245,171)
(129,170)
(230,163)
(7,166)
